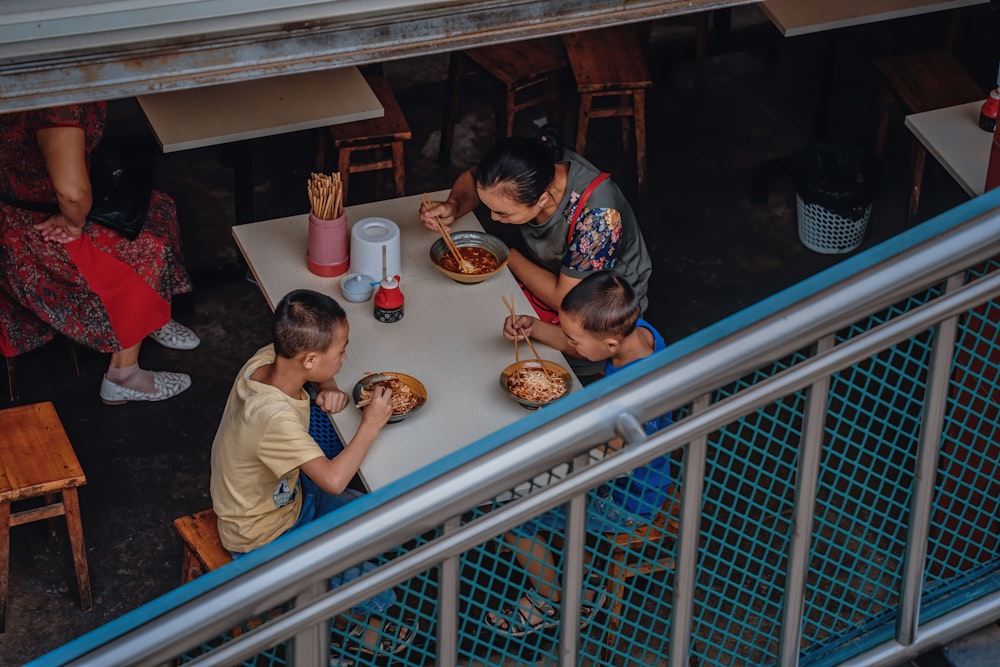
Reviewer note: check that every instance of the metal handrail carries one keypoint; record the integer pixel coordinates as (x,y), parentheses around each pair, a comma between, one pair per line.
(424,501)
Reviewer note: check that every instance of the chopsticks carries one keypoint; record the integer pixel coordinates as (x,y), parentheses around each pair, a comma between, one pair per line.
(545,371)
(326,195)
(464,266)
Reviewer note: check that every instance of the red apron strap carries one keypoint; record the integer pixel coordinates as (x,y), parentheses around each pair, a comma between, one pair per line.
(578,210)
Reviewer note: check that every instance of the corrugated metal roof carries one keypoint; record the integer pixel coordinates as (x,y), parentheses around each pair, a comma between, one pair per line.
(59,51)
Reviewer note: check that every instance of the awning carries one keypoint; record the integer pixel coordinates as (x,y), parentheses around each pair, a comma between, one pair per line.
(61,51)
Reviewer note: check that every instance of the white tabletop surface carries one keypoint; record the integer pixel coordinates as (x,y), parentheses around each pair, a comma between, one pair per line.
(801,17)
(449,338)
(953,136)
(197,117)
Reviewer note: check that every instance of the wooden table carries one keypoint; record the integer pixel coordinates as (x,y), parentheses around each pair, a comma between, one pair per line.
(953,136)
(801,17)
(238,112)
(449,338)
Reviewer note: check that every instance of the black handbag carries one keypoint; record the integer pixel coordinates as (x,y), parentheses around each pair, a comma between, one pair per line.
(121,183)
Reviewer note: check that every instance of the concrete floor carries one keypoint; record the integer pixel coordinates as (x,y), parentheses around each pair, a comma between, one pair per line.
(711,126)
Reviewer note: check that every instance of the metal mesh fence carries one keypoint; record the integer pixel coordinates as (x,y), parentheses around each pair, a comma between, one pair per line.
(510,587)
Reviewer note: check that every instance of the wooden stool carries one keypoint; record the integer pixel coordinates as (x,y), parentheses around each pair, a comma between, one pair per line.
(374,135)
(922,82)
(609,63)
(203,550)
(528,69)
(37,459)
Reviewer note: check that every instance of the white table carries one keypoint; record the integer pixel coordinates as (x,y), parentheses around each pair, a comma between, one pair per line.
(953,136)
(234,112)
(801,17)
(449,338)
(198,117)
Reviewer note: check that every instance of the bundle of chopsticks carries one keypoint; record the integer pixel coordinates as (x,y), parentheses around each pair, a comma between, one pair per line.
(326,196)
(517,359)
(464,266)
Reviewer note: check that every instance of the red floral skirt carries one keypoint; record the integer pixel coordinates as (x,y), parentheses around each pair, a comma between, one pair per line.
(102,290)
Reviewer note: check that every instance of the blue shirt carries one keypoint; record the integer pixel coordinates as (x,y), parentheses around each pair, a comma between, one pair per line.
(644,490)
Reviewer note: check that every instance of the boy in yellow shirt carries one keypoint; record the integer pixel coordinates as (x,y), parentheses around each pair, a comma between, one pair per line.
(269,476)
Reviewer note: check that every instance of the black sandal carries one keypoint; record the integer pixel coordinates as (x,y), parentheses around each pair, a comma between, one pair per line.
(588,610)
(517,619)
(393,639)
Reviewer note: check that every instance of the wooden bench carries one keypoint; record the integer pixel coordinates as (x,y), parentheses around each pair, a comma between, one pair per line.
(528,74)
(373,144)
(609,63)
(203,550)
(922,82)
(37,460)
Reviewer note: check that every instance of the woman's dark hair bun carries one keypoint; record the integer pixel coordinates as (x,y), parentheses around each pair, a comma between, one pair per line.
(549,137)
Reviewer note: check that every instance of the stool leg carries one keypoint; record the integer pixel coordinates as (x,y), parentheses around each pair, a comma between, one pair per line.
(71,502)
(398,172)
(190,566)
(456,69)
(344,167)
(553,112)
(918,176)
(625,103)
(10,377)
(883,122)
(581,126)
(4,561)
(639,108)
(509,113)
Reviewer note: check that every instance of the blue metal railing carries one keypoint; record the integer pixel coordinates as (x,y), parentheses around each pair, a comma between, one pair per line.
(837,467)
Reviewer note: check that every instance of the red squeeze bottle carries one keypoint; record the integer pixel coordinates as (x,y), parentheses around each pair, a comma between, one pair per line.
(993,168)
(389,301)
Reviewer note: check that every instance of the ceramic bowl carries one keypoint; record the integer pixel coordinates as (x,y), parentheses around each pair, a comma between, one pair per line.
(471,240)
(550,366)
(357,288)
(413,383)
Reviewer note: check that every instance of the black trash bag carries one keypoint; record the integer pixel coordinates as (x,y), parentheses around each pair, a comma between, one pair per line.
(841,179)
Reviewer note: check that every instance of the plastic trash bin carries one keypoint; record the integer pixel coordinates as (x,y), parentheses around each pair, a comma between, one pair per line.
(835,187)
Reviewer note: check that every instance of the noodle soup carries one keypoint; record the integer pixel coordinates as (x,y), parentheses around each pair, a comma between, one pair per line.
(481,259)
(532,386)
(408,393)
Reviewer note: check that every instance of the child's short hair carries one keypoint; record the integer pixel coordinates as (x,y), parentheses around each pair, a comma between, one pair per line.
(304,321)
(604,303)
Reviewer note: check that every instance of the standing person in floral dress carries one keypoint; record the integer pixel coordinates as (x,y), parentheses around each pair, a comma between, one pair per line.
(61,273)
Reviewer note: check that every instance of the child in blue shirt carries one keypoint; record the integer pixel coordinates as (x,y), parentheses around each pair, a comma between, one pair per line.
(599,320)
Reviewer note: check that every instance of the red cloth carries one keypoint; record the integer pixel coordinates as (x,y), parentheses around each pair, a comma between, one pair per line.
(131,304)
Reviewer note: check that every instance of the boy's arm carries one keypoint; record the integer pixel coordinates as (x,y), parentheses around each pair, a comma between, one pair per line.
(524,326)
(333,475)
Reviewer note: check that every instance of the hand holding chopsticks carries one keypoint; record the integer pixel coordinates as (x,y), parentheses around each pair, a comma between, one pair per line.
(464,266)
(513,315)
(326,195)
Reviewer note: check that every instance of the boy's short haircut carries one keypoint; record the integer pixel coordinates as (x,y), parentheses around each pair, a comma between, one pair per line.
(604,303)
(304,321)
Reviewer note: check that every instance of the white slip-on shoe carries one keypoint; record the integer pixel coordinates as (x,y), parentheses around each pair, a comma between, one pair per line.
(176,336)
(165,385)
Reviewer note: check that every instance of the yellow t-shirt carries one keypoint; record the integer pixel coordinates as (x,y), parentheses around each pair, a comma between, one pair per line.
(262,440)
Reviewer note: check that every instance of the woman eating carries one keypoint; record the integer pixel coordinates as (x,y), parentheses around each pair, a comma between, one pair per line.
(538,187)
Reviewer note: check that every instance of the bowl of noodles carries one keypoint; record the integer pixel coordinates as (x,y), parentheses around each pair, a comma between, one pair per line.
(533,386)
(408,393)
(486,253)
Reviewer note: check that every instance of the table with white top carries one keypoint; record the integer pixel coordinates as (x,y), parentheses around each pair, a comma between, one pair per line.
(449,337)
(238,112)
(801,17)
(953,136)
